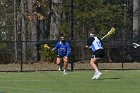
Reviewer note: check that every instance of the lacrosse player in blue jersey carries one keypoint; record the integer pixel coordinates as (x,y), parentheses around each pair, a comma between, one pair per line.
(95,44)
(63,51)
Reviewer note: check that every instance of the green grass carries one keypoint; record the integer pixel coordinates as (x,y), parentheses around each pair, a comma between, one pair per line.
(75,82)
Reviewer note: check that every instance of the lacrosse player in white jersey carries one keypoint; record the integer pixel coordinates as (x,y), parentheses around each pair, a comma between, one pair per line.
(95,44)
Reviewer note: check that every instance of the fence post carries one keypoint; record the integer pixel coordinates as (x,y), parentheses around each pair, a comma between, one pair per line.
(122,66)
(72,36)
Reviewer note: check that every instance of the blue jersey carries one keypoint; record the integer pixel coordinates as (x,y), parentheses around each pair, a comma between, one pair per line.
(96,44)
(63,49)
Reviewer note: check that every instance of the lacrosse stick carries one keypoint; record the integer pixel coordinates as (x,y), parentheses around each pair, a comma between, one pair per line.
(136,45)
(112,30)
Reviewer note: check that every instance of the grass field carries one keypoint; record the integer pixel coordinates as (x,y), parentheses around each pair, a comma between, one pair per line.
(75,82)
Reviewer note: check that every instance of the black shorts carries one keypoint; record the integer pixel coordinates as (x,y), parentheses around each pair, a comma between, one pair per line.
(60,56)
(98,53)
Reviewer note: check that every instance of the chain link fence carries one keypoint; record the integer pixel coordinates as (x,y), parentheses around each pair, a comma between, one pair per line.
(15,57)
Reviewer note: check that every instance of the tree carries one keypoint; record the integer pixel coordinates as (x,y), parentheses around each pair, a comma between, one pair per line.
(135,18)
(90,15)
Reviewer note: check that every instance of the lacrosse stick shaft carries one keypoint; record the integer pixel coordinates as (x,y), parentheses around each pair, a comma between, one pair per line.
(104,36)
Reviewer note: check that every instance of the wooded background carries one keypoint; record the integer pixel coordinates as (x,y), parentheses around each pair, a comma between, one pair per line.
(26,25)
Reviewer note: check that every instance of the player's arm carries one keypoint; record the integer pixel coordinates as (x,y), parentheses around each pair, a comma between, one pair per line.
(89,42)
(68,49)
(101,41)
(56,46)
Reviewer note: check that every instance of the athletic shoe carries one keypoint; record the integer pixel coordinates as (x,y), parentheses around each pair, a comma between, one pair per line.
(97,75)
(65,72)
(94,77)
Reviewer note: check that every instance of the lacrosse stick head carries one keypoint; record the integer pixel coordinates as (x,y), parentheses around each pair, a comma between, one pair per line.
(112,31)
(136,45)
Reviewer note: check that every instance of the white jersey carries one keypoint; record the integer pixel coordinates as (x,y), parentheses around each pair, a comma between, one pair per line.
(96,44)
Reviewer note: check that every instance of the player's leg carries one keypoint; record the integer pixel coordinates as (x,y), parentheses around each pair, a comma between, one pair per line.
(59,63)
(65,59)
(94,66)
(96,55)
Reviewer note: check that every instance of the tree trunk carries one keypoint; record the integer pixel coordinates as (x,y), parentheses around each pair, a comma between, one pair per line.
(23,34)
(33,31)
(135,18)
(15,31)
(55,20)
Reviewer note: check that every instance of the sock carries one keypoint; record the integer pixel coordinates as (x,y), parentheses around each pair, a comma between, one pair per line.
(96,71)
(65,70)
